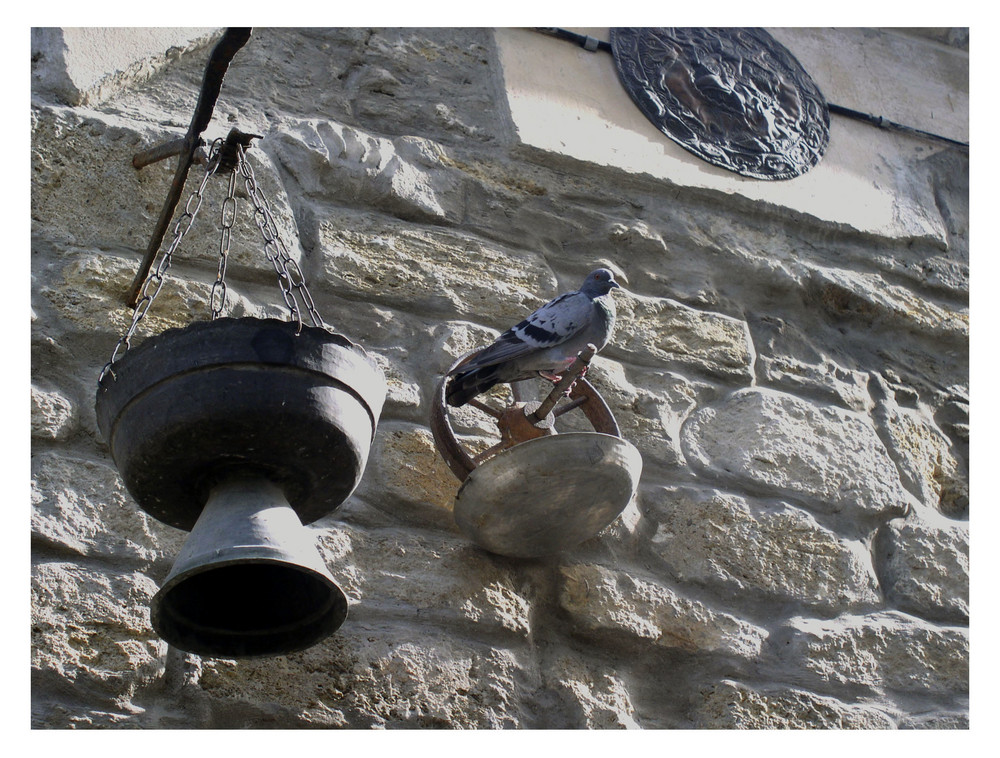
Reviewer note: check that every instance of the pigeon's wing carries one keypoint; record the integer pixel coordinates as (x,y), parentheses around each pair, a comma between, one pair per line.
(554,323)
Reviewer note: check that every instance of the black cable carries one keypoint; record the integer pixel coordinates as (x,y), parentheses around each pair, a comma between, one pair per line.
(587,43)
(884,123)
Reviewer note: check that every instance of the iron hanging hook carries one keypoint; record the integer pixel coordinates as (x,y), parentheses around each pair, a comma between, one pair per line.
(232,40)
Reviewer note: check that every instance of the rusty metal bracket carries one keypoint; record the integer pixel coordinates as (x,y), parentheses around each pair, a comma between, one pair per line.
(222,55)
(520,421)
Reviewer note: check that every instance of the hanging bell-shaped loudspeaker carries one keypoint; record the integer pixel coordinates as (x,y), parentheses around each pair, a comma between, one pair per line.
(242,430)
(249,579)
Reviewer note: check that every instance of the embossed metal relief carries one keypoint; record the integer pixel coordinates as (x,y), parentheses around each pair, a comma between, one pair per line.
(735,97)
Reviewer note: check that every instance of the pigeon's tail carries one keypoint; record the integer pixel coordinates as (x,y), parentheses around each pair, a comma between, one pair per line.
(466,385)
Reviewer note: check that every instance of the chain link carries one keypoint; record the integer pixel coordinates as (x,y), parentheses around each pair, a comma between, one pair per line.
(151,287)
(290,280)
(219,289)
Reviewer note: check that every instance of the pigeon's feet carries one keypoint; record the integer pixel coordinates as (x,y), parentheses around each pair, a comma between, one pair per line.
(554,378)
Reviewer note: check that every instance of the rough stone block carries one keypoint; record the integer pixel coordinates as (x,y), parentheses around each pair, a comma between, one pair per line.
(866,297)
(649,405)
(758,551)
(92,290)
(91,628)
(796,361)
(116,206)
(605,602)
(665,333)
(925,458)
(733,705)
(433,272)
(425,576)
(82,506)
(925,566)
(408,177)
(408,479)
(371,675)
(53,416)
(880,652)
(589,697)
(830,458)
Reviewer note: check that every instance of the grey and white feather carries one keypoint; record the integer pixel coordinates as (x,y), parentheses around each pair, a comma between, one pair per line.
(546,343)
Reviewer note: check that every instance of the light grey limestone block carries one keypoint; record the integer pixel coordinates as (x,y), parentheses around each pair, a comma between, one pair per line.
(53,415)
(425,576)
(926,459)
(664,333)
(407,478)
(433,272)
(376,675)
(880,652)
(757,550)
(408,177)
(90,628)
(82,506)
(588,695)
(924,564)
(734,705)
(609,603)
(829,458)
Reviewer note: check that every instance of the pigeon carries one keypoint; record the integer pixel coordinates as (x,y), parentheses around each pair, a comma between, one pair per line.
(544,344)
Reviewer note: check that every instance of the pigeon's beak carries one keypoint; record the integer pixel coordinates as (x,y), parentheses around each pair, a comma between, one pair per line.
(614,284)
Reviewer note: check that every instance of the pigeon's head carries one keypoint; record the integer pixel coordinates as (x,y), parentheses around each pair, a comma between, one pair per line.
(599,282)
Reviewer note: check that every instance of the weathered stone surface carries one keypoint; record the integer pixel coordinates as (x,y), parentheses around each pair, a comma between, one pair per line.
(120,204)
(427,271)
(592,699)
(925,459)
(92,287)
(408,479)
(649,405)
(831,458)
(733,705)
(662,332)
(53,415)
(791,359)
(609,602)
(925,566)
(82,66)
(83,507)
(376,675)
(866,297)
(936,720)
(880,652)
(456,584)
(91,628)
(757,550)
(407,177)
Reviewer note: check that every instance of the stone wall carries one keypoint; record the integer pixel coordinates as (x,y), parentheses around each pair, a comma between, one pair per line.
(797,554)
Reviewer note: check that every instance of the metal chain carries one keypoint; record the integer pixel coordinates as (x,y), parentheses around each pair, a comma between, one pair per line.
(290,279)
(151,287)
(219,289)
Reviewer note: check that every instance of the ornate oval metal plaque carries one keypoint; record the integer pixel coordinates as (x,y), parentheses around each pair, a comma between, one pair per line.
(734,97)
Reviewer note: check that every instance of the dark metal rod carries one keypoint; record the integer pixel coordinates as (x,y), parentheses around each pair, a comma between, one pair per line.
(158,153)
(218,63)
(581,362)
(567,407)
